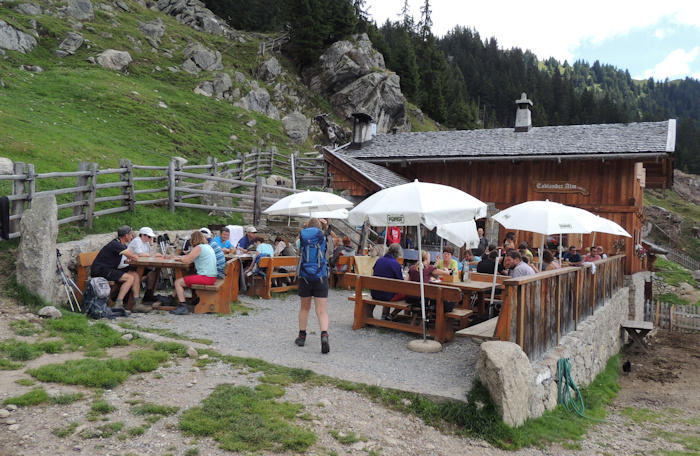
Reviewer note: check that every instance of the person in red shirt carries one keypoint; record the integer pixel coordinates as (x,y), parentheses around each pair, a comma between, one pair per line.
(393,235)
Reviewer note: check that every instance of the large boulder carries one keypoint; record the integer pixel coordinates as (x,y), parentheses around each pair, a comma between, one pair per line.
(202,57)
(36,255)
(376,94)
(15,40)
(30,9)
(6,166)
(154,31)
(71,43)
(506,372)
(297,126)
(269,69)
(258,100)
(114,60)
(194,13)
(353,75)
(79,9)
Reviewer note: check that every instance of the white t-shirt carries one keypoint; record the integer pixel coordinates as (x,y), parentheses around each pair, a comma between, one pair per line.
(138,246)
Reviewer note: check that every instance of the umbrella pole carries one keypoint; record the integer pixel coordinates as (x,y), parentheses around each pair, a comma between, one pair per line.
(422,289)
(495,273)
(560,249)
(541,252)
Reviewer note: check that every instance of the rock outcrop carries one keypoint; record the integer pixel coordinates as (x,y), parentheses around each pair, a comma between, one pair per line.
(70,44)
(114,60)
(297,126)
(353,75)
(195,14)
(36,255)
(258,100)
(506,372)
(79,9)
(200,58)
(15,40)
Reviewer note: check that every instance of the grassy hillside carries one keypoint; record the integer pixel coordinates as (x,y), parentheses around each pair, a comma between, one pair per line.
(75,110)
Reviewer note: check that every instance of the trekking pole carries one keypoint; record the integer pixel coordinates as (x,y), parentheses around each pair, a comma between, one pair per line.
(68,284)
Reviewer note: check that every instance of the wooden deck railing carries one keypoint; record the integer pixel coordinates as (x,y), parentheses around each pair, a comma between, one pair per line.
(540,309)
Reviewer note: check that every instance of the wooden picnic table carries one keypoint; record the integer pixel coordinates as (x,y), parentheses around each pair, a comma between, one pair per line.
(180,268)
(469,288)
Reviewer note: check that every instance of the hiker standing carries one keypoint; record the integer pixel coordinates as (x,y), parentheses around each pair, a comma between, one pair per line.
(313,281)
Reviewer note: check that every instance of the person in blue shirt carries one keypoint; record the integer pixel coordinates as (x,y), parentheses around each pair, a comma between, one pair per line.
(247,241)
(223,240)
(389,267)
(572,256)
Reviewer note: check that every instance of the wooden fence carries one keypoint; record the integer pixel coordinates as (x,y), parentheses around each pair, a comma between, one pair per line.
(684,260)
(684,319)
(92,192)
(538,310)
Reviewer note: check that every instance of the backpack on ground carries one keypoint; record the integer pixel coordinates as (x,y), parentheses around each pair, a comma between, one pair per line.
(313,265)
(95,300)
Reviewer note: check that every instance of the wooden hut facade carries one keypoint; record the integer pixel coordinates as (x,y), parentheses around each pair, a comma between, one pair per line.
(600,168)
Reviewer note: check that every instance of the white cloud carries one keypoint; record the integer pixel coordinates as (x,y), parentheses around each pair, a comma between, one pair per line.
(676,64)
(659,33)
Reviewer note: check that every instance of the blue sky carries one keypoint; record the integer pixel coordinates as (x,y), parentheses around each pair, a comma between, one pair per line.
(659,40)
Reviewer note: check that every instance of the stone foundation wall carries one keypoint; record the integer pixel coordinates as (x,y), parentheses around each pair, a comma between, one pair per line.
(588,348)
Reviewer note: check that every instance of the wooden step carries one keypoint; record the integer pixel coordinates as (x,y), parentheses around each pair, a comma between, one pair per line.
(484,330)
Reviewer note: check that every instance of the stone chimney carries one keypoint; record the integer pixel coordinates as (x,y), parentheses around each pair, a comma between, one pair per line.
(361,131)
(523,116)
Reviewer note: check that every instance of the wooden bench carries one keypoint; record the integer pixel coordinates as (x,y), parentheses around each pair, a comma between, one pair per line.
(217,297)
(263,286)
(444,321)
(83,263)
(337,277)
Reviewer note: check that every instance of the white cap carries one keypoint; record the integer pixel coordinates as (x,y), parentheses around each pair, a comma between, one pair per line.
(147,231)
(206,231)
(251,229)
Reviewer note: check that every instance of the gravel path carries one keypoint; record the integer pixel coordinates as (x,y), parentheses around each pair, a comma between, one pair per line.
(371,355)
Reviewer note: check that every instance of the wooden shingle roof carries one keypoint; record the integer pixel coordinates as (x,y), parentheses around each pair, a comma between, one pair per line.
(644,139)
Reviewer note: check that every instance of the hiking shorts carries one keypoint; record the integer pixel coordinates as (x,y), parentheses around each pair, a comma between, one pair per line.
(113,275)
(317,289)
(198,280)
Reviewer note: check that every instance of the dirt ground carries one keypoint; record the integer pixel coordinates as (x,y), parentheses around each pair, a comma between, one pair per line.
(656,408)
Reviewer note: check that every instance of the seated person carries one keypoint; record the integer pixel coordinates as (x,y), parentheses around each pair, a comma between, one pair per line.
(379,249)
(142,246)
(572,256)
(218,251)
(106,265)
(260,249)
(428,272)
(343,250)
(388,267)
(447,262)
(599,250)
(223,240)
(524,246)
(487,265)
(548,261)
(283,247)
(518,268)
(527,259)
(592,256)
(247,240)
(204,258)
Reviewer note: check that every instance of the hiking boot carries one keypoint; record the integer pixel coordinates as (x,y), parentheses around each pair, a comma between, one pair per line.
(300,341)
(387,317)
(325,347)
(118,304)
(139,307)
(182,310)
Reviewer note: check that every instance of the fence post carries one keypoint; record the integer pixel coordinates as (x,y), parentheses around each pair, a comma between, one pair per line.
(171,186)
(178,181)
(326,177)
(127,175)
(294,158)
(81,181)
(93,194)
(213,163)
(257,162)
(272,160)
(31,184)
(241,157)
(257,208)
(18,188)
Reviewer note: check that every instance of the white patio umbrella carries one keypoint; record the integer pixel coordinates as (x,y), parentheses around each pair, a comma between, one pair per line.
(306,203)
(414,204)
(460,233)
(547,218)
(336,214)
